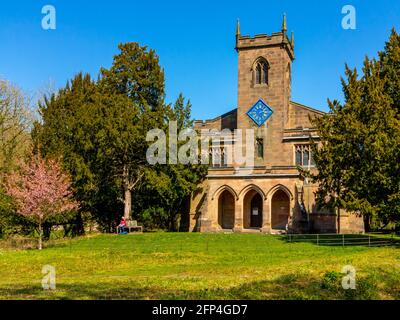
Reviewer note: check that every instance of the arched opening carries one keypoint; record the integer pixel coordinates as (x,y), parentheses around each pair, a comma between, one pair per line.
(280,210)
(260,71)
(226,210)
(256,212)
(252,210)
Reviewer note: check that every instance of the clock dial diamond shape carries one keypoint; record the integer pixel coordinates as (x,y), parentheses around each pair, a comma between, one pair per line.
(260,112)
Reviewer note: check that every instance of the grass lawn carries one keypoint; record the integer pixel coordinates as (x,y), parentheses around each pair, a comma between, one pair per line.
(198,266)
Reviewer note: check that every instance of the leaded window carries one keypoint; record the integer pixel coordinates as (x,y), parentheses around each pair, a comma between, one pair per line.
(218,157)
(303,155)
(260,70)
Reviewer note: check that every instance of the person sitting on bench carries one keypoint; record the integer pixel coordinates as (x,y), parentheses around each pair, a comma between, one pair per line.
(122,226)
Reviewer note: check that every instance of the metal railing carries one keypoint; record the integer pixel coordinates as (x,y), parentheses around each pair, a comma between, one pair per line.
(370,239)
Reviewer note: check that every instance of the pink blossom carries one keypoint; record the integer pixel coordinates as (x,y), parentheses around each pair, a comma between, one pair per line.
(40,189)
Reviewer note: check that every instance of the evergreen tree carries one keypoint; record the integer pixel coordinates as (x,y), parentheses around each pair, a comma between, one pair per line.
(390,66)
(137,75)
(60,133)
(169,187)
(358,159)
(99,128)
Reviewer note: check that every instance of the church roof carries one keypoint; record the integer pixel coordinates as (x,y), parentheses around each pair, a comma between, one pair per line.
(295,104)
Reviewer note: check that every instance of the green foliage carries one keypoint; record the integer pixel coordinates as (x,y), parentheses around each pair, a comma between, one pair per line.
(168,187)
(359,158)
(59,134)
(15,144)
(99,130)
(154,218)
(136,73)
(15,123)
(331,280)
(9,221)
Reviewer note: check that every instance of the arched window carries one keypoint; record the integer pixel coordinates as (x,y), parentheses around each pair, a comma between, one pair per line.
(289,73)
(258,74)
(260,148)
(260,71)
(265,73)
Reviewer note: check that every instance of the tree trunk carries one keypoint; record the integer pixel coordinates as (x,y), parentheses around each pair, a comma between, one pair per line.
(127,203)
(172,223)
(78,227)
(40,235)
(367,223)
(46,231)
(127,193)
(129,186)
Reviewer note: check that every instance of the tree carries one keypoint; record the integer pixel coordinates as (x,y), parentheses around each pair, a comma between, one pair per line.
(390,65)
(99,130)
(61,133)
(358,159)
(137,75)
(168,187)
(15,123)
(15,143)
(41,190)
(116,142)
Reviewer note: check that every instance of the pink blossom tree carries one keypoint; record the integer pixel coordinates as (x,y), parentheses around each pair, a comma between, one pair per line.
(40,190)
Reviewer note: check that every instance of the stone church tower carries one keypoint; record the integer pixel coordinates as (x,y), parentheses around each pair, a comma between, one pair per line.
(271,197)
(264,72)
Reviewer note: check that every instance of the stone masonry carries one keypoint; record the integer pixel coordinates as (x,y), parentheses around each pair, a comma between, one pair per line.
(270,197)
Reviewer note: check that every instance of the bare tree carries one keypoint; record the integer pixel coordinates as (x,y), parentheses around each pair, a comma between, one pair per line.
(15,125)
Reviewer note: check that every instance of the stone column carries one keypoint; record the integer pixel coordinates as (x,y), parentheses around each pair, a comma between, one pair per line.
(207,217)
(238,216)
(266,217)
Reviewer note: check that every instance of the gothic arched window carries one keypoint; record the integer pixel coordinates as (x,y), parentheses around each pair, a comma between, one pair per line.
(289,74)
(258,74)
(260,148)
(260,71)
(265,73)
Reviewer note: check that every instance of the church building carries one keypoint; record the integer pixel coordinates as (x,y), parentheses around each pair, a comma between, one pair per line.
(271,197)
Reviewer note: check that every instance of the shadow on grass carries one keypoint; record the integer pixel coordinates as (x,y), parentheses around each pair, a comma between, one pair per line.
(340,240)
(294,286)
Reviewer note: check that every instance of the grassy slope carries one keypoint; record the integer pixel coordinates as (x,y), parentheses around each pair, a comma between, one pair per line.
(198,266)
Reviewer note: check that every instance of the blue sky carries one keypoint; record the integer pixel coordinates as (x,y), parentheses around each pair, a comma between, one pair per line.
(195,41)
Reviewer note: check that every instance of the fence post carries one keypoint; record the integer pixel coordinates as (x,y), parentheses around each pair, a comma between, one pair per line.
(317,239)
(369,240)
(343,239)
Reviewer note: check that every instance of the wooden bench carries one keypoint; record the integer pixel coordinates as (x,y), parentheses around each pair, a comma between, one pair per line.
(132,225)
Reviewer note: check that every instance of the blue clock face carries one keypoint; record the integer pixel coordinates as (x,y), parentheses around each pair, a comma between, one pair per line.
(260,112)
